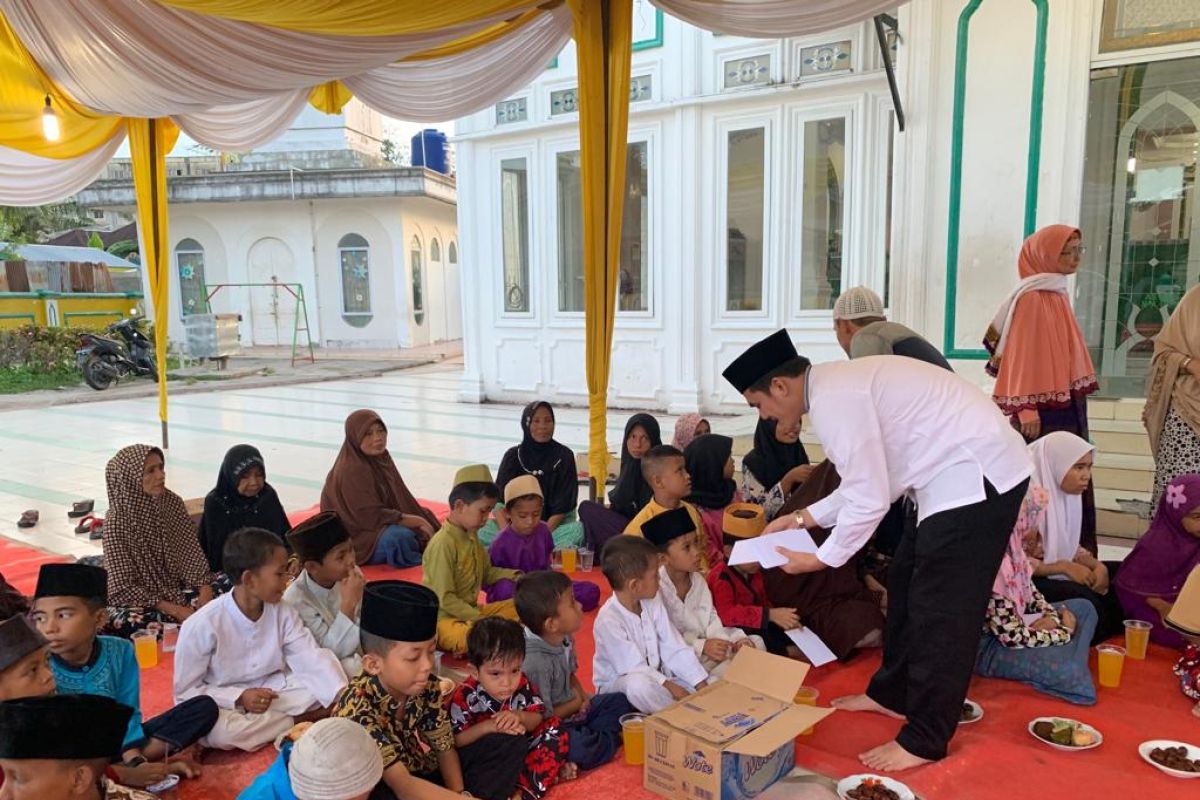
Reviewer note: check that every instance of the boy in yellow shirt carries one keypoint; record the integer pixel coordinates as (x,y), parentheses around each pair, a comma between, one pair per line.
(663,469)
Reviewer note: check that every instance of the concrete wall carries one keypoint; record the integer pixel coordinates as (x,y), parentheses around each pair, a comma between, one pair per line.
(671,356)
(297,242)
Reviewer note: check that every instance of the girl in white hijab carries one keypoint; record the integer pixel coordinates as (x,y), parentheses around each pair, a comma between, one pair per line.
(1064,566)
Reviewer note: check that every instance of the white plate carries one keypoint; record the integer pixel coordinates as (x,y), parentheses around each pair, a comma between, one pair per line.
(846,784)
(1068,748)
(976,709)
(1193,753)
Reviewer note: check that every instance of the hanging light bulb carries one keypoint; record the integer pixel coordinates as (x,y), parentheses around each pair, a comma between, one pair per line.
(50,127)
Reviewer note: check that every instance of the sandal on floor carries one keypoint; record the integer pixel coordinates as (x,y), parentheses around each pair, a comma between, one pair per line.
(28,519)
(84,525)
(96,525)
(81,508)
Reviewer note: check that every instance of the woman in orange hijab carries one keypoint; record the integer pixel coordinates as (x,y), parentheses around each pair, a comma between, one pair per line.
(1039,358)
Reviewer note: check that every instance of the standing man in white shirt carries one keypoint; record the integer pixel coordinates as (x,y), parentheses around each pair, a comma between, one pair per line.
(896,426)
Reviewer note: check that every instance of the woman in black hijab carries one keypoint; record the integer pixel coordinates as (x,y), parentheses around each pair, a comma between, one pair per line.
(631,492)
(709,462)
(241,499)
(553,464)
(773,469)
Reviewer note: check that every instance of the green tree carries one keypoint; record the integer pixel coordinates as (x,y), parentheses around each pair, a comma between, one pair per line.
(389,152)
(124,249)
(95,241)
(33,224)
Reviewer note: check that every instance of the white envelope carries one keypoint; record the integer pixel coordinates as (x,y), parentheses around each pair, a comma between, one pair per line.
(761,549)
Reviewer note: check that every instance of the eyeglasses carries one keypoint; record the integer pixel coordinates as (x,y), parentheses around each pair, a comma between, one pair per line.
(1075,251)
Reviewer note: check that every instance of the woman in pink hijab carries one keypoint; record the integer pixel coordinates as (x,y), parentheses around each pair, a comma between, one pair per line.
(688,428)
(1039,358)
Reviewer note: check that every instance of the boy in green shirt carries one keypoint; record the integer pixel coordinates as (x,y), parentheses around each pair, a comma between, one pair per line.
(456,564)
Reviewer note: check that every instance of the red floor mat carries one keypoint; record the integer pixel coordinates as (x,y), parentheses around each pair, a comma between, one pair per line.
(988,759)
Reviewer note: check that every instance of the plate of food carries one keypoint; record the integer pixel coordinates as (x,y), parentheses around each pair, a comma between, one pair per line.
(1177,759)
(971,712)
(1065,734)
(873,787)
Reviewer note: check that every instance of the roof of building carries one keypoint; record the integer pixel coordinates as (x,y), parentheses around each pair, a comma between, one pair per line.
(79,237)
(83,255)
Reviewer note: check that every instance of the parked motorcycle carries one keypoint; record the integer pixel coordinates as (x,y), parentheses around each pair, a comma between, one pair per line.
(124,350)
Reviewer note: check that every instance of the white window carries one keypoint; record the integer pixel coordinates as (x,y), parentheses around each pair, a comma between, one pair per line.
(452,253)
(354,257)
(745,206)
(514,233)
(823,212)
(435,252)
(189,261)
(418,290)
(633,267)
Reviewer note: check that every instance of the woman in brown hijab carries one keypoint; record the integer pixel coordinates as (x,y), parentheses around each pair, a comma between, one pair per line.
(834,603)
(385,521)
(1172,414)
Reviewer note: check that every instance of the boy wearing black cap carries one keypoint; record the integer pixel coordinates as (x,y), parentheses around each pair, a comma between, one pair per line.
(24,661)
(59,748)
(327,594)
(69,608)
(685,595)
(399,700)
(894,427)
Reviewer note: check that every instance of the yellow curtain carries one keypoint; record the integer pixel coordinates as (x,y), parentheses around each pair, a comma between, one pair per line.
(603,37)
(355,17)
(329,97)
(149,142)
(23,90)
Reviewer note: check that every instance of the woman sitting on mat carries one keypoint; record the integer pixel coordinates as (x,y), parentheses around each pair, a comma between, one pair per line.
(553,464)
(1049,653)
(1064,567)
(709,462)
(242,499)
(156,569)
(688,428)
(774,467)
(386,523)
(631,493)
(1153,574)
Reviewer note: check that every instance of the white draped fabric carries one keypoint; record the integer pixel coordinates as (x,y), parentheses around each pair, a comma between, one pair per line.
(28,180)
(243,126)
(771,19)
(138,58)
(435,90)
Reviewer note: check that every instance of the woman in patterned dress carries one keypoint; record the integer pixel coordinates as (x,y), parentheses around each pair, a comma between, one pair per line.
(1172,414)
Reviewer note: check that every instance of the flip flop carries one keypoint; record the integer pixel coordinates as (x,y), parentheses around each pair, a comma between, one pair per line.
(81,508)
(28,519)
(97,528)
(84,525)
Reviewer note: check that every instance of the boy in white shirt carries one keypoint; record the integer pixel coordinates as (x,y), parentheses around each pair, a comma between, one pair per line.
(328,592)
(638,651)
(686,596)
(252,654)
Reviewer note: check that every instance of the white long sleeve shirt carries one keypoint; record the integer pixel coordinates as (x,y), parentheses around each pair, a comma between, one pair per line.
(648,643)
(897,426)
(321,611)
(222,652)
(694,616)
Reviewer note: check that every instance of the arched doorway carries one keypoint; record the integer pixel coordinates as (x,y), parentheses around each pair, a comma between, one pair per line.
(272,309)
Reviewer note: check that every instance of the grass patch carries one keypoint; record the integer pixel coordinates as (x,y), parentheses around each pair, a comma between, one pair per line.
(18,380)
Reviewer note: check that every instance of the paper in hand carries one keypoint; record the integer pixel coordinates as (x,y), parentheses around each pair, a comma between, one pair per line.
(761,549)
(815,650)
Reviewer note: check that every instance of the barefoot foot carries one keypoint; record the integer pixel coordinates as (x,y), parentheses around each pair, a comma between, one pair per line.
(568,772)
(184,767)
(891,757)
(861,702)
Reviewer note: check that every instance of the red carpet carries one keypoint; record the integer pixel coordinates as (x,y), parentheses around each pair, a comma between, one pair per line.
(989,759)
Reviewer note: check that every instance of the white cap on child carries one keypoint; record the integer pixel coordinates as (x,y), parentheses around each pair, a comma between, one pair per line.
(335,759)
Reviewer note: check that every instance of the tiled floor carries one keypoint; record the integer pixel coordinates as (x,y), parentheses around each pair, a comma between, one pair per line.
(51,457)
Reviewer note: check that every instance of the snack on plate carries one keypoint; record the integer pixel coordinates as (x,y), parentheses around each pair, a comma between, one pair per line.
(872,789)
(1064,732)
(1175,758)
(447,687)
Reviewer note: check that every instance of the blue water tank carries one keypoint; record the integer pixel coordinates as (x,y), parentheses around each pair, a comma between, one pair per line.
(430,150)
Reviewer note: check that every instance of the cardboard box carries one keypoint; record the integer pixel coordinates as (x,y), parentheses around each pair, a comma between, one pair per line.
(732,739)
